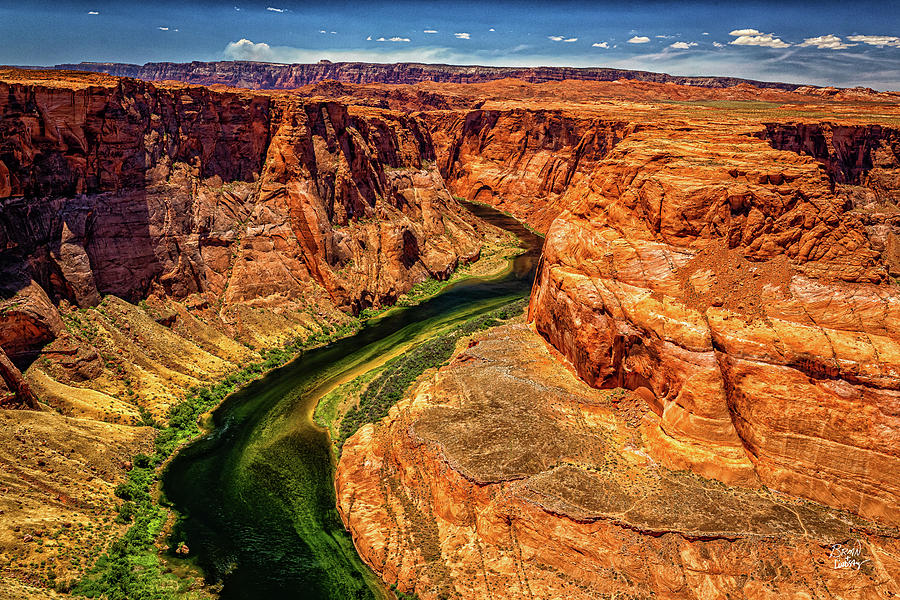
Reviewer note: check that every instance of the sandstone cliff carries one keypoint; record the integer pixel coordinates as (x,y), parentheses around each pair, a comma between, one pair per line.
(707,270)
(504,476)
(275,76)
(722,282)
(262,215)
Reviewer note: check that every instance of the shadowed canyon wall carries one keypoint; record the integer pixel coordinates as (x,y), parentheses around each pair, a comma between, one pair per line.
(235,205)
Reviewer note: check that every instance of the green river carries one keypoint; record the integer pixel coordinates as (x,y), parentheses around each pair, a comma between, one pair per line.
(256,495)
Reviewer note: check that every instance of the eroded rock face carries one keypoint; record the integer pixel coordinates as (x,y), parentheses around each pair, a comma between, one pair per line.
(518,160)
(507,477)
(260,75)
(231,202)
(727,283)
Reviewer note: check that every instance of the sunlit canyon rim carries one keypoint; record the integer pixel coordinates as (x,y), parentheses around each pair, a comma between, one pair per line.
(701,399)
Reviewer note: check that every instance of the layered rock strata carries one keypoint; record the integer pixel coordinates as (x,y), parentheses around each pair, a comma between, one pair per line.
(261,75)
(505,476)
(229,203)
(518,160)
(727,283)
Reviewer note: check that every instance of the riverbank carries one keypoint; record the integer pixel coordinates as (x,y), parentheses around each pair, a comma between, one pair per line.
(368,397)
(134,564)
(257,496)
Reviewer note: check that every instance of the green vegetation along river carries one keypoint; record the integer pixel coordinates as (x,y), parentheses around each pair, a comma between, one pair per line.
(256,495)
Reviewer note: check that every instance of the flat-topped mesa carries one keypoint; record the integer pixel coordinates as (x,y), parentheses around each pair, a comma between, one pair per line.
(263,75)
(747,298)
(221,199)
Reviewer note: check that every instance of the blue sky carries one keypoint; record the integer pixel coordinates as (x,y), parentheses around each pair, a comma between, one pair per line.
(824,42)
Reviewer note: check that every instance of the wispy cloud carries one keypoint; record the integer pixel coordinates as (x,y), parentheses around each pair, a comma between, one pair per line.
(163,28)
(463,35)
(562,38)
(278,10)
(93,12)
(639,39)
(600,45)
(393,39)
(430,31)
(753,37)
(830,42)
(718,45)
(876,40)
(683,45)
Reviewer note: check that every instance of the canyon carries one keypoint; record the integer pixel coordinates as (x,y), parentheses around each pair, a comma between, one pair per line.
(702,401)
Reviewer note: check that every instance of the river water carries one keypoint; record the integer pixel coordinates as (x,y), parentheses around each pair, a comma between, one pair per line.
(256,495)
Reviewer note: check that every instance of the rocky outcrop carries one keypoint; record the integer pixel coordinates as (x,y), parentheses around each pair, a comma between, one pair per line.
(849,152)
(520,160)
(278,76)
(706,271)
(507,477)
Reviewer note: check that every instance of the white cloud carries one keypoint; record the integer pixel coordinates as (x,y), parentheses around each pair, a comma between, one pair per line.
(237,8)
(93,12)
(393,39)
(639,39)
(682,45)
(333,32)
(705,33)
(830,42)
(718,45)
(245,49)
(163,28)
(322,31)
(556,38)
(463,35)
(876,40)
(753,37)
(738,32)
(570,40)
(273,9)
(430,31)
(600,45)
(492,29)
(663,37)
